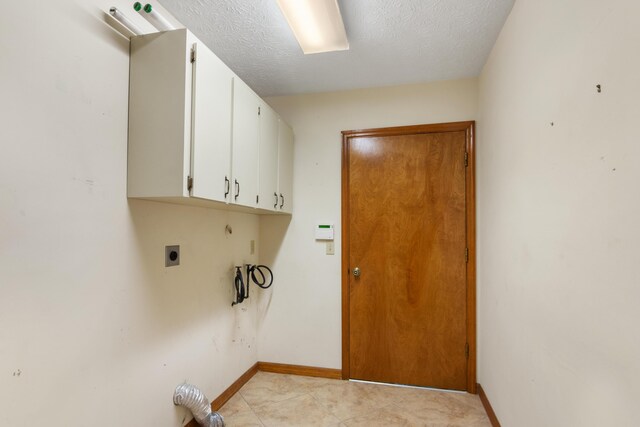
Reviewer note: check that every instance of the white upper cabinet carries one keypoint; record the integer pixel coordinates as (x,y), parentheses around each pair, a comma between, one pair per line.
(268,155)
(197,133)
(211,127)
(159,116)
(246,130)
(179,119)
(285,167)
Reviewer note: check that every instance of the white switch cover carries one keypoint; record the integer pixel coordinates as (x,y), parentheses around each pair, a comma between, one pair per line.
(331,248)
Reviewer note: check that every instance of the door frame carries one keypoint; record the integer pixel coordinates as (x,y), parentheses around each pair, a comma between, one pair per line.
(469,128)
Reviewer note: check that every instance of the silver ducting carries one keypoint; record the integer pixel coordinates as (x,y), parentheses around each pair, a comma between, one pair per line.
(193,399)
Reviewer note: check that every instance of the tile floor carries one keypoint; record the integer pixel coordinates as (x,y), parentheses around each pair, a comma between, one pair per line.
(275,400)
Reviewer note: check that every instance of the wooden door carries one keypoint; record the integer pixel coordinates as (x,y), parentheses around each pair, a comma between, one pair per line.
(406,192)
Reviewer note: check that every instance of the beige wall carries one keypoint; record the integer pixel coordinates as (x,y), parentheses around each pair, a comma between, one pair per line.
(558,210)
(303,324)
(94,330)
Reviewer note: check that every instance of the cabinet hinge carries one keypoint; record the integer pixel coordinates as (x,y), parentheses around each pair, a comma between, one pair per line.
(466,255)
(466,350)
(193,55)
(258,110)
(189,183)
(466,159)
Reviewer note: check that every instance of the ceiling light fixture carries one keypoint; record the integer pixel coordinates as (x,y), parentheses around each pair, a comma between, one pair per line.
(317,24)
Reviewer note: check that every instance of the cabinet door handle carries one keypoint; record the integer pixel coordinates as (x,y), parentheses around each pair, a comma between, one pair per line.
(237,189)
(275,205)
(281,204)
(227,187)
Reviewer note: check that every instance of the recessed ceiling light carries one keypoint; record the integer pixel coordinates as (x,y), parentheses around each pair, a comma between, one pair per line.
(317,24)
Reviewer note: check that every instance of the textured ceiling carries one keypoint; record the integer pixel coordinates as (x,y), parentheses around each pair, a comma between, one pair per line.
(392,42)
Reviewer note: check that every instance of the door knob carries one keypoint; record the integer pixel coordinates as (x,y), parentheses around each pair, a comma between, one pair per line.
(356,272)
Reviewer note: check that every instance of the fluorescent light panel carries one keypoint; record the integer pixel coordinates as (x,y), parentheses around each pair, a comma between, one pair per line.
(317,24)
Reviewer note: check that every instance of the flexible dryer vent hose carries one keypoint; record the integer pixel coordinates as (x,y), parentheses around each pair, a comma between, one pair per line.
(193,399)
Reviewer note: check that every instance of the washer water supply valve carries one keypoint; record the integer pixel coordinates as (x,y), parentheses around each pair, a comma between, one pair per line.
(255,274)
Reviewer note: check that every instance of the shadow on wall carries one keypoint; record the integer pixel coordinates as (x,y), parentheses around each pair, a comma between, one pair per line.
(273,229)
(97,20)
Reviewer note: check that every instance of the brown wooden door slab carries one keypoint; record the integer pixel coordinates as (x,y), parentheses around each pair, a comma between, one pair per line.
(406,232)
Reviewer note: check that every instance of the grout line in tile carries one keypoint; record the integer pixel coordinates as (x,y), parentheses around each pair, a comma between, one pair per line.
(273,403)
(329,411)
(252,411)
(364,415)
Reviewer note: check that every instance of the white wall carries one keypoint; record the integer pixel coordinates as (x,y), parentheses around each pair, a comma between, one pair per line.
(558,210)
(303,324)
(94,330)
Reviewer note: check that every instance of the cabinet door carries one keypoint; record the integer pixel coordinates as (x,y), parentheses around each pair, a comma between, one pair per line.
(244,186)
(285,167)
(211,126)
(268,159)
(159,94)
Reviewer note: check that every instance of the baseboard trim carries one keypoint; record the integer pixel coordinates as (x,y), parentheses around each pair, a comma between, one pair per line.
(219,401)
(278,368)
(307,371)
(234,388)
(487,407)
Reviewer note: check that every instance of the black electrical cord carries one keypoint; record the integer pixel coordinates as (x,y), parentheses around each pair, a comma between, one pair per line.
(242,291)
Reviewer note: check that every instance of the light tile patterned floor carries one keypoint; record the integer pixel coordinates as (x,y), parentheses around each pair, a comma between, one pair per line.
(275,400)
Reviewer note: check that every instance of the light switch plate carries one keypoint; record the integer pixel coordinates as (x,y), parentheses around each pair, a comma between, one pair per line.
(331,248)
